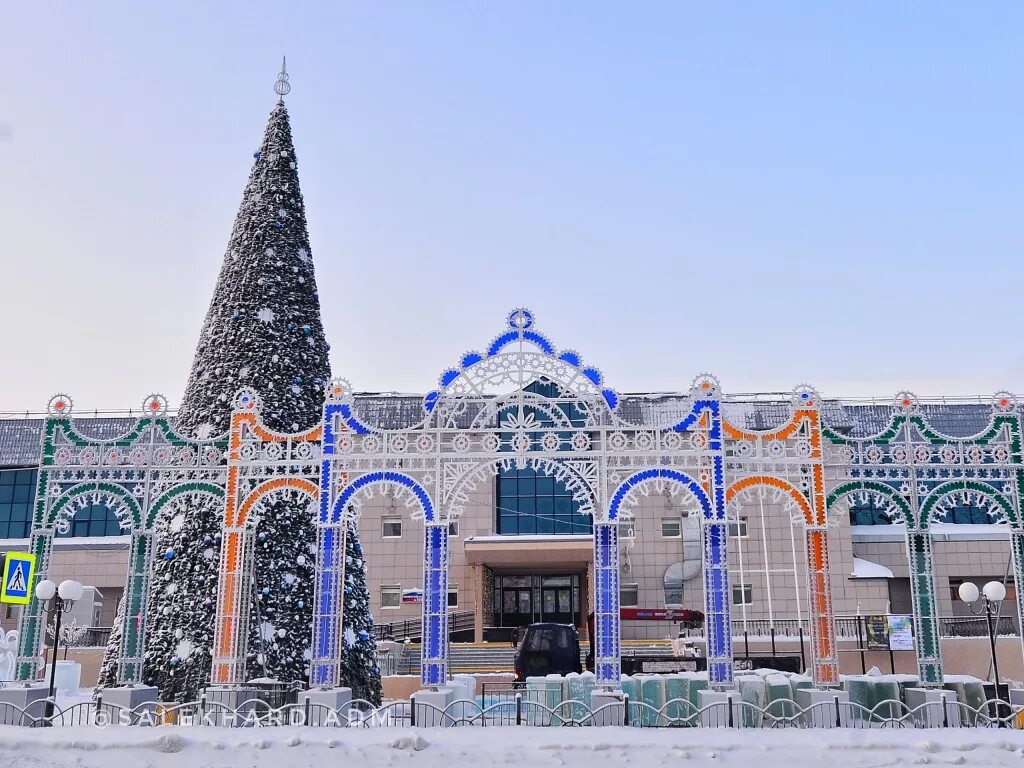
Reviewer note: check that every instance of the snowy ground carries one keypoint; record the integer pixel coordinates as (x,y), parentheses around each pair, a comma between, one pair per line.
(118,747)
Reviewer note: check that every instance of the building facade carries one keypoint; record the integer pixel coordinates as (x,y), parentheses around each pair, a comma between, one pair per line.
(521,552)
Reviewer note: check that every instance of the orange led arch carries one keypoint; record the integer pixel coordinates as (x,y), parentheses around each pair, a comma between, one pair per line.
(804,423)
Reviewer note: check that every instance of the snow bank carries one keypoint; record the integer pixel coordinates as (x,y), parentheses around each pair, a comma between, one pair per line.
(169,747)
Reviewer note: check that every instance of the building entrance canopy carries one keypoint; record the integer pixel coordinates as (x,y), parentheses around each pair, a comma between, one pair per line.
(539,554)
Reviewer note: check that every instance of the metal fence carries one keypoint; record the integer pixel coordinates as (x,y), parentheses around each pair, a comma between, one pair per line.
(511,707)
(412,629)
(975,626)
(387,663)
(853,628)
(94,637)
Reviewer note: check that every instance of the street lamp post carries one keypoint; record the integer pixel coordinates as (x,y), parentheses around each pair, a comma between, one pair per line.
(993,593)
(55,602)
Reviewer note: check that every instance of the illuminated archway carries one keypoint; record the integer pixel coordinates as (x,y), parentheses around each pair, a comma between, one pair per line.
(133,474)
(717,605)
(329,596)
(913,468)
(824,657)
(231,627)
(482,415)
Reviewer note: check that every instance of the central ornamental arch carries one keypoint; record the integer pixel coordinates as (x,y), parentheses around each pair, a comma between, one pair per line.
(481,416)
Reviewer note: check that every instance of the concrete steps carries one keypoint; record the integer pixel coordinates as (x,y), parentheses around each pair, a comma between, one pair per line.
(499,657)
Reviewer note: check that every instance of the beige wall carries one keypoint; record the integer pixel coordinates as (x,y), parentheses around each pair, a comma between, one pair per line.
(978,559)
(104,567)
(771,559)
(399,561)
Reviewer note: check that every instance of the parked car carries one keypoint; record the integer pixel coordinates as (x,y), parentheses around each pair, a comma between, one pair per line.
(548,649)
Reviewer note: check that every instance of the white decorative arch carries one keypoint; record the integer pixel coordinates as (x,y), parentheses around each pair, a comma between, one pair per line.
(131,473)
(484,415)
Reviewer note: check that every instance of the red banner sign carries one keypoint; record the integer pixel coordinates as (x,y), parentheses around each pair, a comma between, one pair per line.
(660,614)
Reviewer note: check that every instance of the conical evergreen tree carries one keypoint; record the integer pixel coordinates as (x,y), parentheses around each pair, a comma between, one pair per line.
(183,599)
(359,670)
(108,670)
(262,330)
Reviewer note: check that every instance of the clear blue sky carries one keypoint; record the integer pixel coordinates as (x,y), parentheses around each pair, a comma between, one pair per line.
(775,193)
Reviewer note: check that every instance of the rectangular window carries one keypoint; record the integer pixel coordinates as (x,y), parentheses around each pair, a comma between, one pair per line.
(742,594)
(627,531)
(980,582)
(738,528)
(453,528)
(629,595)
(671,528)
(391,527)
(17,494)
(391,596)
(453,597)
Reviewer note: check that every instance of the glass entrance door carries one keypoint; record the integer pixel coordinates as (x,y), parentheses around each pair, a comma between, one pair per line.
(513,601)
(556,604)
(523,600)
(516,606)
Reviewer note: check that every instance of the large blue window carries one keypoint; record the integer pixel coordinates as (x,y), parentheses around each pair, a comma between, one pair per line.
(967,514)
(17,494)
(869,514)
(94,520)
(532,502)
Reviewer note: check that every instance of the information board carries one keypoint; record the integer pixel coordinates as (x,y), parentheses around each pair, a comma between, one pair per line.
(901,633)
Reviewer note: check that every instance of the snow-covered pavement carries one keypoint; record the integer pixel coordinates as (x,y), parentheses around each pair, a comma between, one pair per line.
(119,747)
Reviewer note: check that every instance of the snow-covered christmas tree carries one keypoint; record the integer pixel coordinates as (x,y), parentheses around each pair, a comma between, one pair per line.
(108,670)
(262,330)
(359,669)
(183,600)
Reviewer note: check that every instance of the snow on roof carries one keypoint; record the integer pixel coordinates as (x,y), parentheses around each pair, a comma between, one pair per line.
(939,531)
(529,538)
(865,569)
(961,530)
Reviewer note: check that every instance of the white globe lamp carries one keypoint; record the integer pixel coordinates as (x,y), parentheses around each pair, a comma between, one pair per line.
(968,592)
(70,590)
(994,591)
(45,590)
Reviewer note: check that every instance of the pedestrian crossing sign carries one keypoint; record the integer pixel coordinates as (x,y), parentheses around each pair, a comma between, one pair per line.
(19,571)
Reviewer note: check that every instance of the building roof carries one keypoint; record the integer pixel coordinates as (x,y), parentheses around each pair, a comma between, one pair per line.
(20,438)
